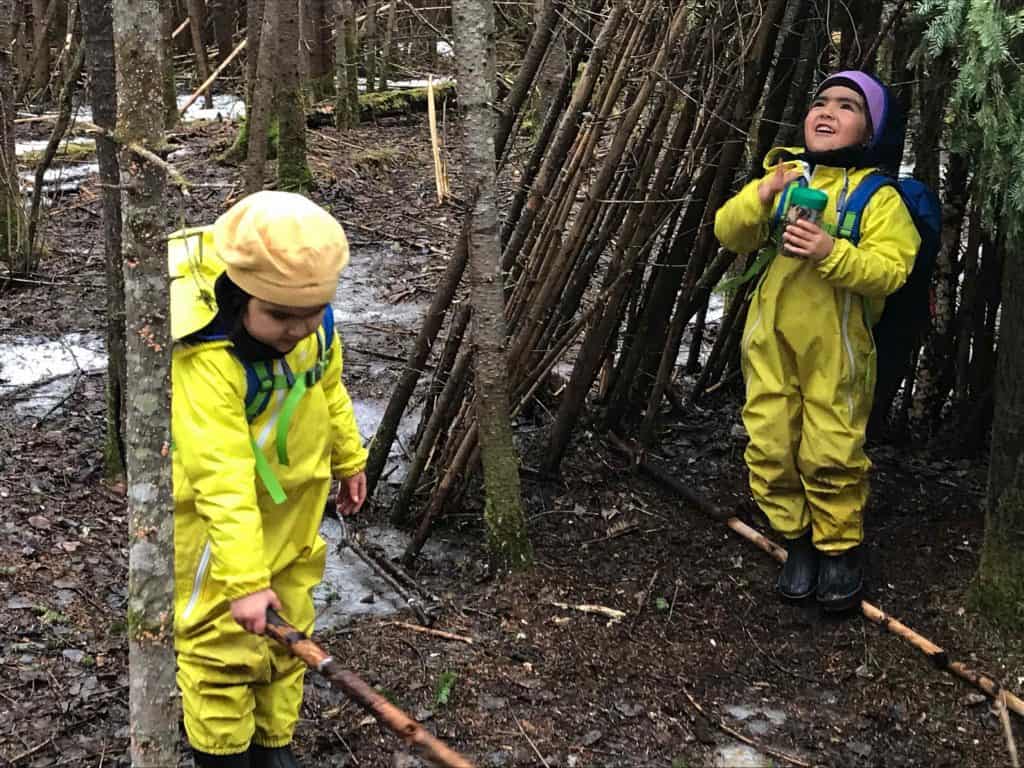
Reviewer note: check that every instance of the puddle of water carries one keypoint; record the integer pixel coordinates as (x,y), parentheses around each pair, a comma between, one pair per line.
(26,360)
(356,301)
(443,49)
(740,756)
(350,588)
(368,415)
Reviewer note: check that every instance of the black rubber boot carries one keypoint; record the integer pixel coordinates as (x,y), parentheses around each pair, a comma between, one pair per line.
(840,580)
(800,573)
(272,757)
(203,760)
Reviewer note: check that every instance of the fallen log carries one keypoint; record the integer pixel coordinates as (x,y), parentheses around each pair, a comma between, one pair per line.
(374,106)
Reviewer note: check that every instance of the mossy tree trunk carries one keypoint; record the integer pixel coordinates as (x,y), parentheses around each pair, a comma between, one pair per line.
(153,695)
(352,59)
(473,21)
(370,45)
(386,50)
(346,66)
(998,588)
(98,31)
(253,27)
(14,246)
(262,106)
(41,43)
(292,170)
(317,23)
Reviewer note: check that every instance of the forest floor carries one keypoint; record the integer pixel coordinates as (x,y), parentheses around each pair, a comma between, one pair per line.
(705,642)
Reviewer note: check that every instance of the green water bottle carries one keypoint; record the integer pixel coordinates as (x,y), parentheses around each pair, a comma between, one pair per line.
(804,203)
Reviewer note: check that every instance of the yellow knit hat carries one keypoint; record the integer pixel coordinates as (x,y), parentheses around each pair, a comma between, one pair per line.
(282,248)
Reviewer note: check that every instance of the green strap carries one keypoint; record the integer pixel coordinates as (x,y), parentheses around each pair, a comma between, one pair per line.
(287,411)
(753,271)
(266,474)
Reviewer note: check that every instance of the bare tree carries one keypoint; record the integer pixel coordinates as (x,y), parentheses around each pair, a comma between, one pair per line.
(506,527)
(387,49)
(223,13)
(14,249)
(153,698)
(346,106)
(196,21)
(262,105)
(43,13)
(98,31)
(292,170)
(170,95)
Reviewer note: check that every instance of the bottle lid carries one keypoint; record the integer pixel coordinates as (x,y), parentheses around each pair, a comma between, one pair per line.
(805,197)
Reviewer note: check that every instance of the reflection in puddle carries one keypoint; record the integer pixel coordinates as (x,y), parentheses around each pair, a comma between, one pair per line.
(350,588)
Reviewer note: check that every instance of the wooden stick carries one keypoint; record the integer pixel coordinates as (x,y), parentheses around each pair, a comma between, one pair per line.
(612,613)
(532,745)
(434,142)
(181,28)
(936,655)
(1004,718)
(387,714)
(209,81)
(746,740)
(435,632)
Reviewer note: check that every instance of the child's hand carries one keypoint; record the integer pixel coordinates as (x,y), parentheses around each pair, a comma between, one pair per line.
(772,185)
(251,611)
(805,238)
(352,494)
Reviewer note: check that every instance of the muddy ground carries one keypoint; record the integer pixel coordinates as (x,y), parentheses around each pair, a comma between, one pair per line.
(705,644)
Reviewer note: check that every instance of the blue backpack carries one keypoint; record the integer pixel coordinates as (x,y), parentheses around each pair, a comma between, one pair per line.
(260,384)
(907,311)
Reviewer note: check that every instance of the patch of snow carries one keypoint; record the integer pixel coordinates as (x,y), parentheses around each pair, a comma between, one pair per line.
(444,49)
(38,145)
(27,360)
(740,756)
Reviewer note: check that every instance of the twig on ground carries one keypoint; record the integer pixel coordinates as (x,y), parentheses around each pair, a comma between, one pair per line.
(337,733)
(19,392)
(745,739)
(434,632)
(642,600)
(611,613)
(530,741)
(28,753)
(1004,718)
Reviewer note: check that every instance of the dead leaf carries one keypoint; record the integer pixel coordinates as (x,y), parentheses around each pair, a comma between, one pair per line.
(40,522)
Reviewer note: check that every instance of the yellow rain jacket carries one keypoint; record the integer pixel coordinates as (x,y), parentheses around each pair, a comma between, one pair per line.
(231,539)
(809,358)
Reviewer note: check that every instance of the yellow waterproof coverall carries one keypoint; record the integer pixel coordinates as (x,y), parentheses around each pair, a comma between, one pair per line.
(809,359)
(230,538)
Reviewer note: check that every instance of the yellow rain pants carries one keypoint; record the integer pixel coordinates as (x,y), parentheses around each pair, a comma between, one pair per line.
(230,538)
(809,359)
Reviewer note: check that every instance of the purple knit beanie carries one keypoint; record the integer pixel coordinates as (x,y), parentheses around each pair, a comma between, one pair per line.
(870,89)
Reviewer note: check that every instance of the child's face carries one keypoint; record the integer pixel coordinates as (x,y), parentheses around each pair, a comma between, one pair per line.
(278,326)
(837,119)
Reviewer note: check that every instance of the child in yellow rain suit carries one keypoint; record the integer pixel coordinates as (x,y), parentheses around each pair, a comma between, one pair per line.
(261,423)
(807,350)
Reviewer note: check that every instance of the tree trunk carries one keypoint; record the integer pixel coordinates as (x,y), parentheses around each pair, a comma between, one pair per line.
(473,22)
(293,173)
(370,45)
(999,586)
(153,695)
(168,89)
(316,23)
(22,53)
(262,100)
(98,32)
(352,59)
(253,27)
(196,21)
(14,247)
(345,116)
(387,52)
(223,13)
(41,43)
(550,73)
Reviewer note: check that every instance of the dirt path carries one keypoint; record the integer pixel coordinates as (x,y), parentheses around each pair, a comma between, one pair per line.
(540,684)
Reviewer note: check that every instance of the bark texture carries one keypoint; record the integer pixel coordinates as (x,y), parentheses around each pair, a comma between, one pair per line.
(999,586)
(473,22)
(262,101)
(98,31)
(153,696)
(170,94)
(196,22)
(14,248)
(293,173)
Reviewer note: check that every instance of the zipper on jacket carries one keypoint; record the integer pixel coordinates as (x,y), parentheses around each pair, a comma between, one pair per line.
(845,330)
(197,583)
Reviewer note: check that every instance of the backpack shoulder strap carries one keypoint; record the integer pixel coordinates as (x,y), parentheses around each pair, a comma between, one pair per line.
(852,213)
(783,202)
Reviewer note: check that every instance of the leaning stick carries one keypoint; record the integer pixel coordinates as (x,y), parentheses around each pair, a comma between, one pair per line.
(181,27)
(209,81)
(386,713)
(936,655)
